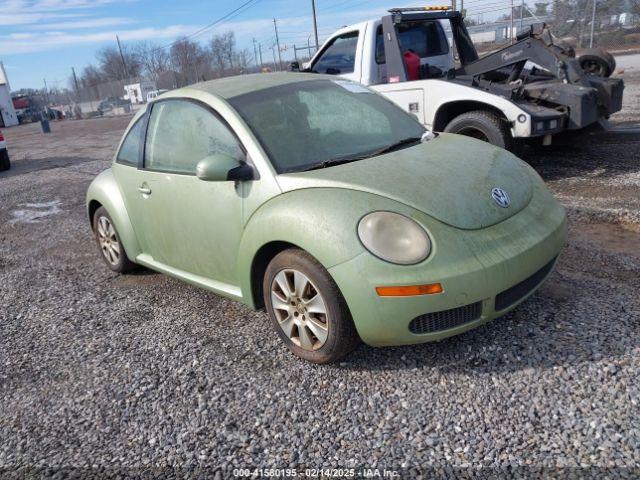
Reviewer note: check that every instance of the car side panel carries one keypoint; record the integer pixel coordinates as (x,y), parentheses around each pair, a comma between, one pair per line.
(104,189)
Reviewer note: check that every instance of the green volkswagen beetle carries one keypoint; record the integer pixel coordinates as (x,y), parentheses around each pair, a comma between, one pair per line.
(328,206)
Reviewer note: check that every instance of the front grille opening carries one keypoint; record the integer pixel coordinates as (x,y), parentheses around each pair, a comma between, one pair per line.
(446,319)
(517,292)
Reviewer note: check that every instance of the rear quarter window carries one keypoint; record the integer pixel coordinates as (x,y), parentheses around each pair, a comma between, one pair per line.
(130,149)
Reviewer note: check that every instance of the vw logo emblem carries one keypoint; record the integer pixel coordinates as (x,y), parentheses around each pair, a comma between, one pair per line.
(500,197)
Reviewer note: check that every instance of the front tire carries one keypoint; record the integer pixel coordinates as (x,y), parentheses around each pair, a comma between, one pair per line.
(483,125)
(111,248)
(307,309)
(5,163)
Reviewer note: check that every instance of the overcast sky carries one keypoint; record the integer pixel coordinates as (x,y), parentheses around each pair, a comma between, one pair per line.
(44,38)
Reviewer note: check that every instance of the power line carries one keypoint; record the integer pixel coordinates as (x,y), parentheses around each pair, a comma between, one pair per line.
(233,13)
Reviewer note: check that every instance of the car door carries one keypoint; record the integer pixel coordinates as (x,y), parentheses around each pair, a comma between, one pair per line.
(192,226)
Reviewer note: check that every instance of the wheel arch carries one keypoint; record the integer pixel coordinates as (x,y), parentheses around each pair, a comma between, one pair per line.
(261,260)
(104,192)
(450,110)
(92,207)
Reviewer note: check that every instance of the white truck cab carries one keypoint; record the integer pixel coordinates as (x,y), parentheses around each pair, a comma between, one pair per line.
(357,52)
(531,88)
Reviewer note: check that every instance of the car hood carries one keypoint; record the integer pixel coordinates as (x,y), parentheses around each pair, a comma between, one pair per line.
(450,178)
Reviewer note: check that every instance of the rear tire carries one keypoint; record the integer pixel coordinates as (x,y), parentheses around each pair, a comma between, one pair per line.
(108,240)
(307,309)
(5,163)
(483,125)
(597,62)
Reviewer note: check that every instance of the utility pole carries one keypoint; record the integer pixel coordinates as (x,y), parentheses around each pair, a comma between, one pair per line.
(275,65)
(46,91)
(260,53)
(275,27)
(593,23)
(521,14)
(75,82)
(255,54)
(295,53)
(315,23)
(511,33)
(124,65)
(309,47)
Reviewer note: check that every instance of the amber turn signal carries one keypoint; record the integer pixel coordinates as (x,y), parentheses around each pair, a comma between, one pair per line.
(409,290)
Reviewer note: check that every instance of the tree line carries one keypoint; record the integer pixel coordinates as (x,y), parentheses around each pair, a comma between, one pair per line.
(186,61)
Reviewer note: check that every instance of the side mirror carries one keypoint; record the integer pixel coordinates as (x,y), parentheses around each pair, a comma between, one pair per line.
(220,167)
(294,66)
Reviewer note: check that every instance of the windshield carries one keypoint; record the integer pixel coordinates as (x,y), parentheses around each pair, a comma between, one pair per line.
(317,123)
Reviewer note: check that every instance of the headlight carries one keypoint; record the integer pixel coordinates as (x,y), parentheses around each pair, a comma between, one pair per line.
(394,238)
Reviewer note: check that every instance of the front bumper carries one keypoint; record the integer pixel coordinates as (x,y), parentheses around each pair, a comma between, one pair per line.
(473,266)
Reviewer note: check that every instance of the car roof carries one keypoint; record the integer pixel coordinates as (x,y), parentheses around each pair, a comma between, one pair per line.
(229,87)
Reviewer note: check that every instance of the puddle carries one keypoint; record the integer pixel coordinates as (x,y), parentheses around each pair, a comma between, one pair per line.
(33,212)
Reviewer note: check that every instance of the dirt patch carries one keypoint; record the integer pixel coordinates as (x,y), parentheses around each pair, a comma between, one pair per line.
(622,238)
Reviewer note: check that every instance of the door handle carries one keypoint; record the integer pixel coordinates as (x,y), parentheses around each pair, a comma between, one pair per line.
(144,190)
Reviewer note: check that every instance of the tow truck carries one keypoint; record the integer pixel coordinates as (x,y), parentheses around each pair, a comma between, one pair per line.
(424,60)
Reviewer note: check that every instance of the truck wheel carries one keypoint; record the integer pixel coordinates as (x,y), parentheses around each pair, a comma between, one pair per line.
(597,62)
(5,164)
(483,125)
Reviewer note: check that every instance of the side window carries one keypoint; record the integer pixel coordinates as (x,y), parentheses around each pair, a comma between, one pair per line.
(181,133)
(380,59)
(426,39)
(340,56)
(128,154)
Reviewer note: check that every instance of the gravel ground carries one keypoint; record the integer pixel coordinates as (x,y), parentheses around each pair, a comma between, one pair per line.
(142,374)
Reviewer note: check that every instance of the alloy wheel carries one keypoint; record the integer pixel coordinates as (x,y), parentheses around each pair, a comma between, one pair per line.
(299,308)
(108,240)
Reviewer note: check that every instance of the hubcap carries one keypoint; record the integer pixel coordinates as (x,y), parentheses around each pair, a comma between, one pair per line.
(108,241)
(300,309)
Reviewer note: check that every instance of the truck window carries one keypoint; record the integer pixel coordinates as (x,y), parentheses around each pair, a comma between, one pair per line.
(425,38)
(340,56)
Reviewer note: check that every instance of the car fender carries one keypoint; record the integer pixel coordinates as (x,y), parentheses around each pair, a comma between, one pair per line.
(104,190)
(322,221)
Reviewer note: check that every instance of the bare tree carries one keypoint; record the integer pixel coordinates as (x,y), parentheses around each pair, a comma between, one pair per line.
(153,59)
(91,76)
(242,60)
(190,60)
(112,66)
(223,52)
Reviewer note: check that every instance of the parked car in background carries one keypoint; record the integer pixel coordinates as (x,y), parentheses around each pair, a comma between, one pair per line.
(5,164)
(108,104)
(151,96)
(331,207)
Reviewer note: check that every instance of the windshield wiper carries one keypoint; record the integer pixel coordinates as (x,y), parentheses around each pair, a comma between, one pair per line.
(331,162)
(361,156)
(397,145)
